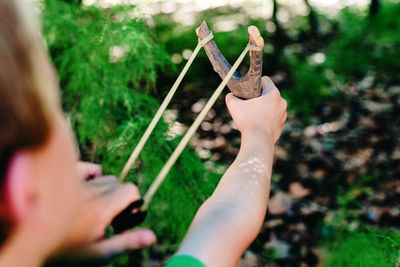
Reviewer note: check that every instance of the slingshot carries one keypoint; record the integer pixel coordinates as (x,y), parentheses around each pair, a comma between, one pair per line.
(245,86)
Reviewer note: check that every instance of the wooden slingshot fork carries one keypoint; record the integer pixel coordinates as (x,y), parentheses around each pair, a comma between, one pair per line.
(244,86)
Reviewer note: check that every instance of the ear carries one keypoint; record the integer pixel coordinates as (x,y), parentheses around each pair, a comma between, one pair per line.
(19,193)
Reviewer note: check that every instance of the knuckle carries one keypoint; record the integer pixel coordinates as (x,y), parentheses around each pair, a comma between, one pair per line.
(98,168)
(285,104)
(276,92)
(267,84)
(266,79)
(227,98)
(132,189)
(111,178)
(103,181)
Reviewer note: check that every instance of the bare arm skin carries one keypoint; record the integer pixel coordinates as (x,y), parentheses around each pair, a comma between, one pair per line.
(231,218)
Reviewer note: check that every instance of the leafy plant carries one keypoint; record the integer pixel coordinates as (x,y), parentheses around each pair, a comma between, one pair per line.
(366,44)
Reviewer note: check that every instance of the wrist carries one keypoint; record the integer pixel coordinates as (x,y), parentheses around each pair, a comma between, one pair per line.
(258,138)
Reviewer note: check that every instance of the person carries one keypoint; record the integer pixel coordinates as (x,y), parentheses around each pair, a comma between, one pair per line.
(46,204)
(51,203)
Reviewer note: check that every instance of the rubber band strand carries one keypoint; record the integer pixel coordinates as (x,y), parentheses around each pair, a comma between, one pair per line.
(182,144)
(132,158)
(254,48)
(206,39)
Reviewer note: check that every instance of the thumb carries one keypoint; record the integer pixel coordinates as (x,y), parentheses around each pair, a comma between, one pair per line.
(103,252)
(267,85)
(115,245)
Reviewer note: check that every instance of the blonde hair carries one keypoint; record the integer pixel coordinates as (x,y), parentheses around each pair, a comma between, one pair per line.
(24,108)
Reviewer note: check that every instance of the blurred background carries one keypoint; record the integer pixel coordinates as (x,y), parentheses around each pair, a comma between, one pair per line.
(335,187)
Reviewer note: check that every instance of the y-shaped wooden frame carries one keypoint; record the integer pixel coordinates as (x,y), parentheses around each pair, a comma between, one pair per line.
(245,86)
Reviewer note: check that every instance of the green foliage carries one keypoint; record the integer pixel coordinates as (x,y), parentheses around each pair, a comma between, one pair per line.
(366,44)
(364,248)
(348,240)
(385,33)
(349,54)
(309,85)
(362,45)
(106,60)
(101,43)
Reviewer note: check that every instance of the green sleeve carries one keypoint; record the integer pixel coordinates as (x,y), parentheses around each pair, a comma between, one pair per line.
(184,261)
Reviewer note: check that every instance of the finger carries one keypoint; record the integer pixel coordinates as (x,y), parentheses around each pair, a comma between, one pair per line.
(102,186)
(120,198)
(131,240)
(284,104)
(267,85)
(104,181)
(102,252)
(89,170)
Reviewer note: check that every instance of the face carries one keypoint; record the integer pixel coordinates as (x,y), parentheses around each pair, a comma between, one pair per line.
(55,167)
(42,189)
(58,184)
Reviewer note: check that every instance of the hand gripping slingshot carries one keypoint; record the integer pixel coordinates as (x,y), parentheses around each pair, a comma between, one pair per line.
(244,86)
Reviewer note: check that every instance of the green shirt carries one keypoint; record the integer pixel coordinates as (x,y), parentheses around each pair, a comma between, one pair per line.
(184,261)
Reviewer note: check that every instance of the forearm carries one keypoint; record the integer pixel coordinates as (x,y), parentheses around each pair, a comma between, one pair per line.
(231,218)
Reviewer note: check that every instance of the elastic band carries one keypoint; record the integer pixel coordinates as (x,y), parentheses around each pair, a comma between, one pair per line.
(254,48)
(132,158)
(208,38)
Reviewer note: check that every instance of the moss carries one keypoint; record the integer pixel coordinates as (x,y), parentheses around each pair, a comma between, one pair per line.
(364,248)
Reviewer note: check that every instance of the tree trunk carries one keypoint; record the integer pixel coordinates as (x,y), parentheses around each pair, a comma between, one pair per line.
(75,2)
(374,8)
(279,39)
(313,20)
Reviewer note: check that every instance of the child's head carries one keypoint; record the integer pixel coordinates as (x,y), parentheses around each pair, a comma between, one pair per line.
(38,178)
